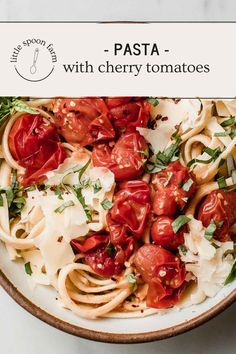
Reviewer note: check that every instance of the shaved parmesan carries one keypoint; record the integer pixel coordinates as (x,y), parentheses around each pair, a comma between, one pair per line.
(171,115)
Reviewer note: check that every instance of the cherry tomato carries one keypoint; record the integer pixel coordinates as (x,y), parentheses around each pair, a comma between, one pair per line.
(174,186)
(89,244)
(35,144)
(75,120)
(164,272)
(164,203)
(219,206)
(130,210)
(130,115)
(163,235)
(105,264)
(112,102)
(125,159)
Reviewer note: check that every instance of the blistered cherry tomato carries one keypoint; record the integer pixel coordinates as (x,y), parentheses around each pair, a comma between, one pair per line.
(219,206)
(162,233)
(165,274)
(35,144)
(125,159)
(174,185)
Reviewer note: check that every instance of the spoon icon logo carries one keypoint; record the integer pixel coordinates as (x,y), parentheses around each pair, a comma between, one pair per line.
(33,67)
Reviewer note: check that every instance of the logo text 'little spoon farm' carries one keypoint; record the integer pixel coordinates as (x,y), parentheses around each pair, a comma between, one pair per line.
(34,59)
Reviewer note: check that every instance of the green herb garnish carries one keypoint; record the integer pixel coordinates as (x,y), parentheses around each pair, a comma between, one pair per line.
(65,205)
(28,269)
(225,133)
(154,102)
(211,228)
(132,281)
(221,182)
(97,186)
(106,204)
(232,275)
(228,122)
(233,174)
(183,249)
(110,249)
(169,176)
(179,222)
(187,185)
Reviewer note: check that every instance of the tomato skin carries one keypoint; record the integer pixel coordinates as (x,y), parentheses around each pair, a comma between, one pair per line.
(130,210)
(163,235)
(219,206)
(89,244)
(164,273)
(101,129)
(164,203)
(104,264)
(170,195)
(83,121)
(130,115)
(35,144)
(124,159)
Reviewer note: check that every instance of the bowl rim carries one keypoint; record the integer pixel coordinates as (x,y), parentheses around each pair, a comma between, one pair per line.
(118,338)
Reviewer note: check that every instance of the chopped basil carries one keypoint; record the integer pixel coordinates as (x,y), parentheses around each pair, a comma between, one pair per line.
(106,204)
(78,192)
(144,152)
(221,182)
(183,249)
(214,153)
(1,200)
(211,228)
(179,222)
(228,122)
(232,275)
(76,169)
(154,102)
(97,186)
(59,192)
(233,174)
(169,176)
(110,249)
(185,199)
(83,169)
(132,281)
(225,133)
(220,224)
(187,185)
(65,205)
(28,269)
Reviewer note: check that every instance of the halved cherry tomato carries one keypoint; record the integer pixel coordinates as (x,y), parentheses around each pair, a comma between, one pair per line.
(171,186)
(130,208)
(89,244)
(125,159)
(219,206)
(35,144)
(101,129)
(163,235)
(164,272)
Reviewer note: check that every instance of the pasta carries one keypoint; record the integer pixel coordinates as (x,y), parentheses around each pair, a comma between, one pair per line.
(126,206)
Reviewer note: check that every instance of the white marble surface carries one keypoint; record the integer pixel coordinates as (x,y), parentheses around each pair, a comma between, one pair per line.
(114,10)
(20,333)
